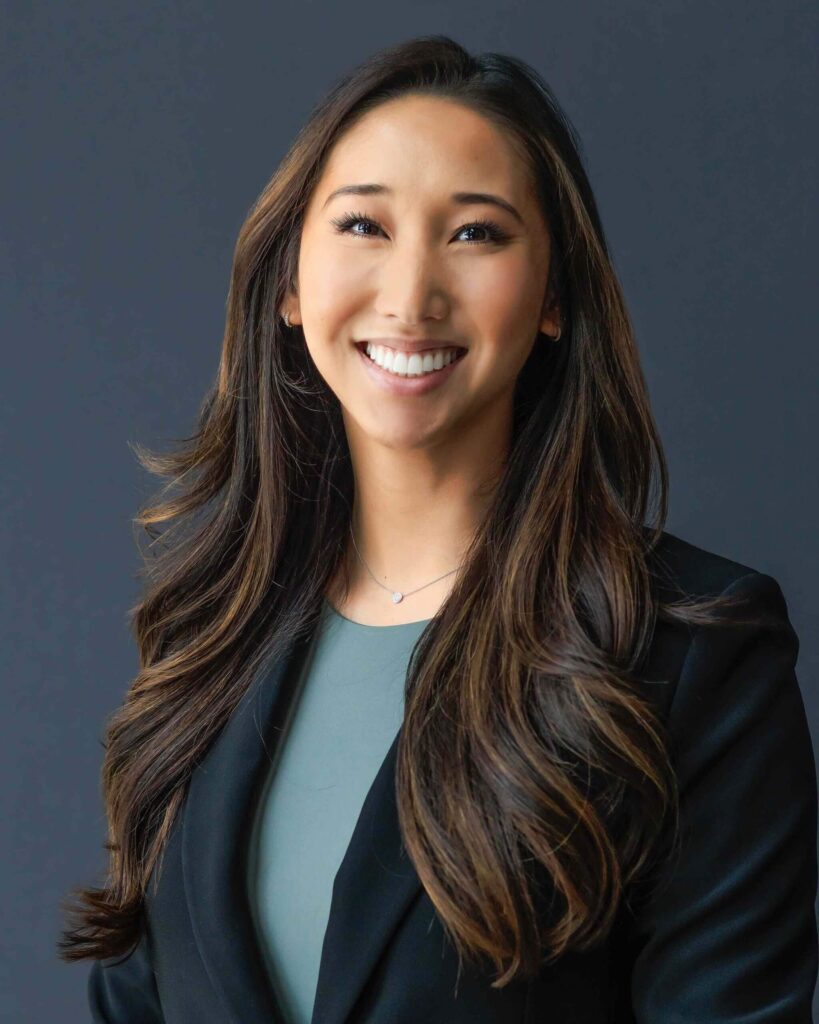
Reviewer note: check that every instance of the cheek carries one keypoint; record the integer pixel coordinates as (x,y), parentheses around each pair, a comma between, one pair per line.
(499,295)
(327,288)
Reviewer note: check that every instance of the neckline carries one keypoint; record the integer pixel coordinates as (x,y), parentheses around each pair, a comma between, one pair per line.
(366,625)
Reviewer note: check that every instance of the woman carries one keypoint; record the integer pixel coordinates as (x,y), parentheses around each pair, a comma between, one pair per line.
(432,724)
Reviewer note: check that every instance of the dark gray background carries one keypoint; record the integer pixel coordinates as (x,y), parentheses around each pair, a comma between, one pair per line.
(136,138)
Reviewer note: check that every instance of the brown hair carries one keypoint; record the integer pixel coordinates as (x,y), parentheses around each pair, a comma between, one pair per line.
(526,745)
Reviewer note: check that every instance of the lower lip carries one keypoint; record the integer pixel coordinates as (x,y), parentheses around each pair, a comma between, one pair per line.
(408,385)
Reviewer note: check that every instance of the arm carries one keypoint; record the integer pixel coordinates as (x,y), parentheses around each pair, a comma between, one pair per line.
(123,991)
(729,934)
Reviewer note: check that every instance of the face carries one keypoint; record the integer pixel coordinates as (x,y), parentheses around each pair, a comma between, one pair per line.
(406,264)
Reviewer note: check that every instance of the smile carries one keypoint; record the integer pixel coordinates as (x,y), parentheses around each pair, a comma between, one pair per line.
(412,364)
(409,373)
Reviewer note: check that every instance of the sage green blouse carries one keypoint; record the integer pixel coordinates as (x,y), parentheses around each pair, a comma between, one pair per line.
(349,705)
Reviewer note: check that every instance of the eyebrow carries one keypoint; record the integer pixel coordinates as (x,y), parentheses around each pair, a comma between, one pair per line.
(461,198)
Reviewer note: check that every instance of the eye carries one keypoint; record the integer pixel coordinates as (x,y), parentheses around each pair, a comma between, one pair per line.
(343,224)
(494,231)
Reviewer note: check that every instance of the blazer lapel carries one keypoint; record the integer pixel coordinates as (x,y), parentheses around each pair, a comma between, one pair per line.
(373,887)
(217,818)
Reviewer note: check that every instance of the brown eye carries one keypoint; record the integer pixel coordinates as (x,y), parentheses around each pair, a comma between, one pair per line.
(343,224)
(493,230)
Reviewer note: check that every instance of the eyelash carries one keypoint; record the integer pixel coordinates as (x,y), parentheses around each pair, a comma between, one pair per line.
(495,231)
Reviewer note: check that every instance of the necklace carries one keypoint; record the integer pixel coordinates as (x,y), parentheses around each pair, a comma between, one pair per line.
(397,595)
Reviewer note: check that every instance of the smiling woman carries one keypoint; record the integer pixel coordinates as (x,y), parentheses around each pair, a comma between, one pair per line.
(435,721)
(420,265)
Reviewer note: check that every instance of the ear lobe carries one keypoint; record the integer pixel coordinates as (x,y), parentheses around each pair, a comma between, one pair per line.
(551,325)
(550,322)
(290,305)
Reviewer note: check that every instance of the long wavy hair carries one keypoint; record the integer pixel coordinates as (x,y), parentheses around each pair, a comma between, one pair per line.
(527,746)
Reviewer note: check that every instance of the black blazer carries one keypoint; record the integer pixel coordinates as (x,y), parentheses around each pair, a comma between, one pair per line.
(729,934)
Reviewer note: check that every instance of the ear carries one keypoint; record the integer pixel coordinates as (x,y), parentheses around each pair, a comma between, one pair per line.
(550,321)
(290,304)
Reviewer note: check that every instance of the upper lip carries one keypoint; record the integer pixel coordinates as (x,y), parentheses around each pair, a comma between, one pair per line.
(410,344)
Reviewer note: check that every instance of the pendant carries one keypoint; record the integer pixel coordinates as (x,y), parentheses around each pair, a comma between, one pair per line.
(397,596)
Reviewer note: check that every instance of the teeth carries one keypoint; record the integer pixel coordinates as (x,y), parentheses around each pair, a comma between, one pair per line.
(406,364)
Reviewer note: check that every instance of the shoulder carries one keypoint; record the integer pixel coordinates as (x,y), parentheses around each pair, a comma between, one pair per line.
(682,568)
(687,662)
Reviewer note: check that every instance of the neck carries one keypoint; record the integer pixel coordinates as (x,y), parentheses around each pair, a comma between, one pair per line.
(415,512)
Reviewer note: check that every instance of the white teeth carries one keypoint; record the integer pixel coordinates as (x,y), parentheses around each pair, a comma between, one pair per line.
(415,364)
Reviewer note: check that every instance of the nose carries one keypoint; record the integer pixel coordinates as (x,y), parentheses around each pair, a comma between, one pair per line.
(410,287)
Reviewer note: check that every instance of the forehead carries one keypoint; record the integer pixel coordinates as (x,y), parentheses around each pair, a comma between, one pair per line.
(426,144)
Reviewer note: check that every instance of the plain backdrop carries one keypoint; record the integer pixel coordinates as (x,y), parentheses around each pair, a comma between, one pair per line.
(137,136)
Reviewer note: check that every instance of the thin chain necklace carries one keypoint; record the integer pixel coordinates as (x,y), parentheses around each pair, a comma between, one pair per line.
(397,595)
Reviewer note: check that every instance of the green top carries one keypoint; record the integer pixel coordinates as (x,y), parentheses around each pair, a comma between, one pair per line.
(348,710)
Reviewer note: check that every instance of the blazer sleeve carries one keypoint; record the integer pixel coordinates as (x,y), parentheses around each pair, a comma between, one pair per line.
(729,931)
(122,990)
